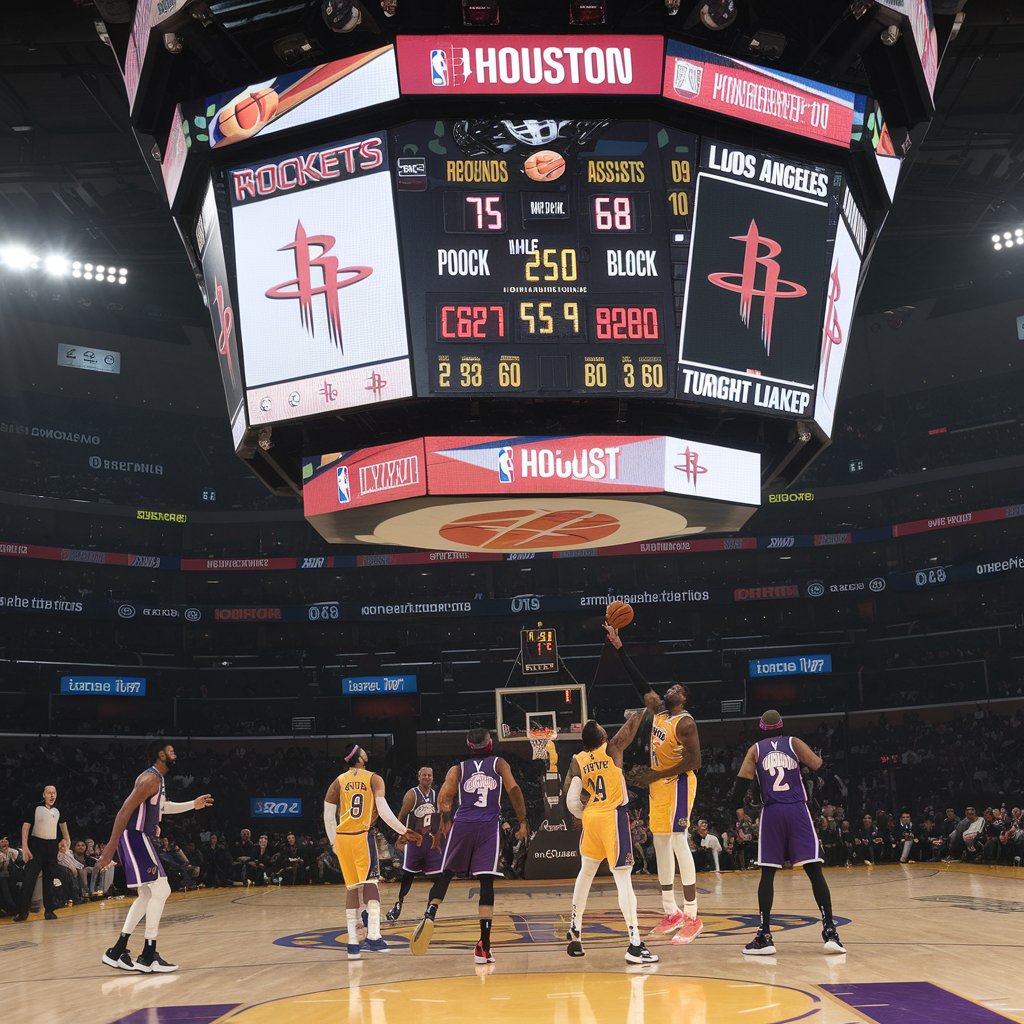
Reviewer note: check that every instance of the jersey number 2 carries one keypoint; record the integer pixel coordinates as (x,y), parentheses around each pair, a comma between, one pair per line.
(779,783)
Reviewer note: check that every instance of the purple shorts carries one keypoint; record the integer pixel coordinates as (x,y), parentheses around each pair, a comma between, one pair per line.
(423,859)
(472,848)
(787,833)
(139,859)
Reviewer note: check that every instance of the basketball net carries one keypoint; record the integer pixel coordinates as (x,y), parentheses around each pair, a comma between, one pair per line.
(539,740)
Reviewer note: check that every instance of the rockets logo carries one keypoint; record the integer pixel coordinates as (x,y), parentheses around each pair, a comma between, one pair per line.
(758,251)
(832,337)
(506,468)
(301,287)
(690,467)
(227,318)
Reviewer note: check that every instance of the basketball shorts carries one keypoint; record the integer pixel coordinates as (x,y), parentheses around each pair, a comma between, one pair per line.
(607,837)
(138,856)
(472,848)
(672,803)
(787,833)
(357,855)
(423,859)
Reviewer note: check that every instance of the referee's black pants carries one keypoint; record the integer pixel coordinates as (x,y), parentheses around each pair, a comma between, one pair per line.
(44,858)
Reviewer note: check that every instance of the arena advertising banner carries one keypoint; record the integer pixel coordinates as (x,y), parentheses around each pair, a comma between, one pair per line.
(221,306)
(320,313)
(758,94)
(291,100)
(756,281)
(792,665)
(104,686)
(275,807)
(366,476)
(504,65)
(381,685)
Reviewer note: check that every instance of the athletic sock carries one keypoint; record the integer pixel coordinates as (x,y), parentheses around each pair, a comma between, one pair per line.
(485,932)
(766,921)
(352,919)
(690,909)
(373,919)
(121,945)
(668,902)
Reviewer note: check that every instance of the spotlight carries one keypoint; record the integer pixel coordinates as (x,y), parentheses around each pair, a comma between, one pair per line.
(123,271)
(1009,244)
(995,238)
(718,14)
(340,15)
(890,35)
(100,269)
(88,266)
(17,257)
(88,276)
(76,265)
(1019,232)
(1006,234)
(56,265)
(587,12)
(265,439)
(76,273)
(480,13)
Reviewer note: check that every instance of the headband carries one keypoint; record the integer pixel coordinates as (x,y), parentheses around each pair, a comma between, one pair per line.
(770,728)
(353,753)
(484,746)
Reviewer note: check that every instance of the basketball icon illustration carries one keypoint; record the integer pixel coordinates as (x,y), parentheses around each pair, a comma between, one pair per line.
(547,165)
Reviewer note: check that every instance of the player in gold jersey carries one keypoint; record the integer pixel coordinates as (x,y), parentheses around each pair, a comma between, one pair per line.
(675,758)
(596,773)
(353,801)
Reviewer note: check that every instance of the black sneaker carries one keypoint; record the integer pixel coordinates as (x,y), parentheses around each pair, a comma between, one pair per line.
(50,916)
(575,947)
(395,912)
(151,962)
(760,945)
(831,939)
(640,955)
(118,962)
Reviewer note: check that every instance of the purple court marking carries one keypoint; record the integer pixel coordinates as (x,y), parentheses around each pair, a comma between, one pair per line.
(178,1014)
(912,1002)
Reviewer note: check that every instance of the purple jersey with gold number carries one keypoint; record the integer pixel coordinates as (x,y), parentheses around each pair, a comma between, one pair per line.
(479,790)
(778,772)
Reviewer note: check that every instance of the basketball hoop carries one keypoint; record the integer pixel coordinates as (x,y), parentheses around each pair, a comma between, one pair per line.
(539,740)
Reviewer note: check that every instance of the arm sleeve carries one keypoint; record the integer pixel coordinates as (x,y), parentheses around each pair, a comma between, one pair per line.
(635,675)
(388,816)
(739,791)
(572,798)
(331,820)
(178,808)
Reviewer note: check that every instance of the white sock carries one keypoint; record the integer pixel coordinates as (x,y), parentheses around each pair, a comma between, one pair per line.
(373,919)
(668,902)
(352,919)
(627,902)
(581,891)
(690,909)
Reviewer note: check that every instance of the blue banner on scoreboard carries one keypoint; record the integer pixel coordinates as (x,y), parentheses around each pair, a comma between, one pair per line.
(360,685)
(275,807)
(104,686)
(797,665)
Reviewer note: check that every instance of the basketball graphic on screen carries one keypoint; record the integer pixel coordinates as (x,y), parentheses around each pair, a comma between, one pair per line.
(618,614)
(247,114)
(546,165)
(526,529)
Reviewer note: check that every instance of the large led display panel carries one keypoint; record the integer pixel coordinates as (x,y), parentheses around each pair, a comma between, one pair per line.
(319,282)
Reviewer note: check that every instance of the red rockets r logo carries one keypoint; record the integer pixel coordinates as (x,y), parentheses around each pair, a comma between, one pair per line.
(302,287)
(758,251)
(833,333)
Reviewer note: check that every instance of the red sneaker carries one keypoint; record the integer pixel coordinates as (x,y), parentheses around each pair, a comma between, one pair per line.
(692,927)
(669,923)
(481,955)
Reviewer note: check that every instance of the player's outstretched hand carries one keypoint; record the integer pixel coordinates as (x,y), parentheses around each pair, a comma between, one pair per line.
(204,801)
(412,837)
(613,635)
(640,776)
(523,832)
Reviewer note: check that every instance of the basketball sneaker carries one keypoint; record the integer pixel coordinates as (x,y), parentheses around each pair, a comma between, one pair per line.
(575,947)
(640,955)
(831,939)
(481,955)
(122,961)
(149,961)
(376,946)
(355,951)
(395,912)
(760,945)
(692,927)
(420,942)
(669,923)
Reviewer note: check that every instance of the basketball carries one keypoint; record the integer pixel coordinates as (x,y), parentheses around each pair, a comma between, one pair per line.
(546,165)
(618,614)
(247,113)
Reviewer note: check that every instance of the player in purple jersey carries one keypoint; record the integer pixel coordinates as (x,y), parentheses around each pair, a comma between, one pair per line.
(419,812)
(134,837)
(473,843)
(787,831)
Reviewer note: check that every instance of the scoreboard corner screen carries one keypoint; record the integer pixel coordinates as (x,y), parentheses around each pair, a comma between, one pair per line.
(539,649)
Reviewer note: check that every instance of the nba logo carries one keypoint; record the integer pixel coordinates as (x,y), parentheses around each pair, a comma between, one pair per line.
(344,492)
(506,471)
(438,68)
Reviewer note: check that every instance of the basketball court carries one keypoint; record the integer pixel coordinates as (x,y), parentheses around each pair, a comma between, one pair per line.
(926,944)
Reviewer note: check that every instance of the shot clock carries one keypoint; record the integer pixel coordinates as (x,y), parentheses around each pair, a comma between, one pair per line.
(539,649)
(520,284)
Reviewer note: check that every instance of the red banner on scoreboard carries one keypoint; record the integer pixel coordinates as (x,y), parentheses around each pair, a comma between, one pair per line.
(985,515)
(539,65)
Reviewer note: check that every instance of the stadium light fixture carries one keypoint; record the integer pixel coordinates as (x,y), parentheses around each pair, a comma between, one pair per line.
(20,258)
(1008,239)
(718,14)
(56,265)
(17,257)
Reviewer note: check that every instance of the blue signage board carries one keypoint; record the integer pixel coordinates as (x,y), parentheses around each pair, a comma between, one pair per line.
(795,665)
(104,686)
(359,685)
(275,807)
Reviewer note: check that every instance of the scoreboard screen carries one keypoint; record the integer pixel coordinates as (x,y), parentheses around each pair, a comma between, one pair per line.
(544,257)
(539,650)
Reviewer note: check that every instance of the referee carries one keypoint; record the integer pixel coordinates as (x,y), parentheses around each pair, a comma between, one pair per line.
(39,848)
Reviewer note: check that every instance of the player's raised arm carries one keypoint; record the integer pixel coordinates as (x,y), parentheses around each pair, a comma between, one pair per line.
(387,815)
(626,734)
(805,754)
(653,702)
(146,787)
(746,775)
(515,794)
